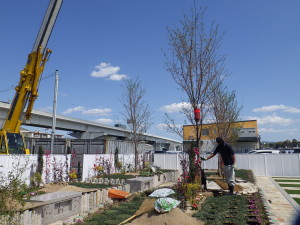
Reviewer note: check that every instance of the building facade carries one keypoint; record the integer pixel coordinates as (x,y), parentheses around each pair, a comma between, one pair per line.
(246,136)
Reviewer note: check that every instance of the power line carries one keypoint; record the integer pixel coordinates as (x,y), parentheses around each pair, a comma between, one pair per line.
(42,78)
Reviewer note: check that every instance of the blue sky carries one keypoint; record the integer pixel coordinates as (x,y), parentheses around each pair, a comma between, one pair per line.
(96,42)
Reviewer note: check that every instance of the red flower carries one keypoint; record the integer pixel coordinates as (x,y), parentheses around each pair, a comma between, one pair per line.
(194,206)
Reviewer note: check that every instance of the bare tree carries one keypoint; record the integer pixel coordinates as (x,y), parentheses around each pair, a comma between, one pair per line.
(195,63)
(136,112)
(170,124)
(225,111)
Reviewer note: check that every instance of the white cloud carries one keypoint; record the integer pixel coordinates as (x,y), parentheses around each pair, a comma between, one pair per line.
(163,126)
(272,120)
(175,107)
(273,108)
(292,110)
(117,77)
(272,130)
(106,70)
(74,109)
(84,111)
(104,121)
(97,112)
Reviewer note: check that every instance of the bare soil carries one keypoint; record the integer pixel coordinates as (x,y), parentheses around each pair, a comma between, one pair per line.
(48,188)
(175,216)
(62,187)
(224,185)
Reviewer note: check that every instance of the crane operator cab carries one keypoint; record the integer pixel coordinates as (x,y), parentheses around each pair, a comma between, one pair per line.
(13,145)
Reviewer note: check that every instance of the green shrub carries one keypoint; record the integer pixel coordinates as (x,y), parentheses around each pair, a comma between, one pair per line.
(245,175)
(116,214)
(118,176)
(89,185)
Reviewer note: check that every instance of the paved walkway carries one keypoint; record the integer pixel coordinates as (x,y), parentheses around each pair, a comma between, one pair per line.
(282,208)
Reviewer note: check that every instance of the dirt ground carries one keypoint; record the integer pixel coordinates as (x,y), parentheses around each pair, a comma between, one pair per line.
(62,187)
(175,216)
(224,185)
(48,188)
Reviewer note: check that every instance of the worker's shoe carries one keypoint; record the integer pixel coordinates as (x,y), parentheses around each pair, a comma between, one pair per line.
(231,188)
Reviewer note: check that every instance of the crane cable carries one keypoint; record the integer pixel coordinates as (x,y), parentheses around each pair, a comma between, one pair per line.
(42,78)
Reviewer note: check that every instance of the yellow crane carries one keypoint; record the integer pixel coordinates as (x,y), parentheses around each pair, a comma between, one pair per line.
(11,139)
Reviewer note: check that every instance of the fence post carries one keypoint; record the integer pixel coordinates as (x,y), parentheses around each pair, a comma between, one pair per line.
(176,161)
(249,161)
(282,168)
(299,164)
(266,170)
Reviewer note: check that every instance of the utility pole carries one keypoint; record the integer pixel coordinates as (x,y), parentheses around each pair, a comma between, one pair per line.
(54,111)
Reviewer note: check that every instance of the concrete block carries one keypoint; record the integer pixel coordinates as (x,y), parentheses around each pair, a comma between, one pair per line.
(126,188)
(106,181)
(36,218)
(112,181)
(97,197)
(155,181)
(87,201)
(140,183)
(101,196)
(83,200)
(58,205)
(94,180)
(92,200)
(105,195)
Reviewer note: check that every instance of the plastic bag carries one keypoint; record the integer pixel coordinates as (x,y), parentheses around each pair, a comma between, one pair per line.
(163,205)
(163,192)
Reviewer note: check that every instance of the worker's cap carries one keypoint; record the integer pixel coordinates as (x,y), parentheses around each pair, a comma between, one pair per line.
(219,140)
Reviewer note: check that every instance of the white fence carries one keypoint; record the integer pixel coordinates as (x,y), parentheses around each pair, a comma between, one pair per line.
(124,147)
(106,161)
(24,167)
(262,165)
(57,167)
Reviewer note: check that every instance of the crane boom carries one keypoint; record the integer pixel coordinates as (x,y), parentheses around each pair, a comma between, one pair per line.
(11,140)
(47,25)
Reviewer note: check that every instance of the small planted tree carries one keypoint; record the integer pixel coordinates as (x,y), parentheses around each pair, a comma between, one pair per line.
(118,164)
(40,160)
(195,64)
(136,112)
(36,179)
(12,189)
(225,112)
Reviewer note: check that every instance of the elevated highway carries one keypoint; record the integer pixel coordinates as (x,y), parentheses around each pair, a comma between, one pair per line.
(84,129)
